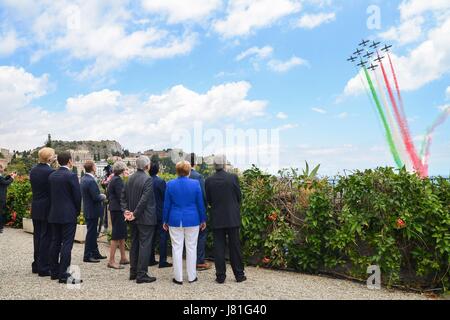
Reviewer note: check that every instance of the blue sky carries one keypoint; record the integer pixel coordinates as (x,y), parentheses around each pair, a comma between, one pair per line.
(137,71)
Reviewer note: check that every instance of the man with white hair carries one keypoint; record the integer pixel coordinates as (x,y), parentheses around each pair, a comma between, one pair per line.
(223,195)
(138,205)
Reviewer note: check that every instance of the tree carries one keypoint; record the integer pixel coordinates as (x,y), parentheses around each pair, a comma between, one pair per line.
(82,173)
(49,141)
(126,153)
(77,158)
(168,165)
(155,158)
(75,170)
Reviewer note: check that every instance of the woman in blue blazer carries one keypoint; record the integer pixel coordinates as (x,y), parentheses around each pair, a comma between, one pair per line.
(184,215)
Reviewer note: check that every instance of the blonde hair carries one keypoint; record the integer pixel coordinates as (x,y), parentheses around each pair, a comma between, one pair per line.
(183,168)
(46,154)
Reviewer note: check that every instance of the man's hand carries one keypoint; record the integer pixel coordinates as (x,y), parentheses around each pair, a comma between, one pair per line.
(103,196)
(13,175)
(127,215)
(202,226)
(166,227)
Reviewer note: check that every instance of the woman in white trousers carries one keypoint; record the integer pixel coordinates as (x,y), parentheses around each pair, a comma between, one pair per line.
(183,216)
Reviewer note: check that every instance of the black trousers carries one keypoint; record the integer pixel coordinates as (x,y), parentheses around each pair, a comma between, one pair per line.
(141,246)
(63,236)
(220,241)
(2,214)
(90,245)
(42,237)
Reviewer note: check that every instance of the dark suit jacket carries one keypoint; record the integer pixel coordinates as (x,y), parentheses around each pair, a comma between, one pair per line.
(138,197)
(159,189)
(115,188)
(197,176)
(223,194)
(40,186)
(92,198)
(65,195)
(4,183)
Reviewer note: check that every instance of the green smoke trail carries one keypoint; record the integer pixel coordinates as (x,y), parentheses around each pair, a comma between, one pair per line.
(390,140)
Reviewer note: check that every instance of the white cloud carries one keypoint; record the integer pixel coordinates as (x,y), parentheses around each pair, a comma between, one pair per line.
(100,33)
(182,10)
(138,122)
(9,43)
(287,126)
(412,19)
(447,93)
(245,16)
(260,53)
(18,88)
(319,110)
(282,115)
(342,115)
(409,31)
(311,21)
(283,66)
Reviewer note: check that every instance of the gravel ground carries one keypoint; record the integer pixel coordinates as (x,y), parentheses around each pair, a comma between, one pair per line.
(100,282)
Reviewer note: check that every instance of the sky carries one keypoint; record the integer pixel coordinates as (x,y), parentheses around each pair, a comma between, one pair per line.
(156,74)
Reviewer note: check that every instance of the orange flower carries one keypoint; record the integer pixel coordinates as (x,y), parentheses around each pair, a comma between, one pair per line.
(273,216)
(400,223)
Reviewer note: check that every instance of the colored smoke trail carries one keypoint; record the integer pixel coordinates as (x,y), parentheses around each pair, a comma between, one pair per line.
(397,87)
(394,129)
(417,164)
(392,147)
(428,140)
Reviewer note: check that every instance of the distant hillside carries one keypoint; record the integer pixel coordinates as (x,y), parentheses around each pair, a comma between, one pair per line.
(104,147)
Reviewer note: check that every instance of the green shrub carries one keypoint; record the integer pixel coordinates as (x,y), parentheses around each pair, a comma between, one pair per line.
(18,201)
(391,218)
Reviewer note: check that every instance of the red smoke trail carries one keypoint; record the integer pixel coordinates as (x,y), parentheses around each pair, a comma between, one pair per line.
(397,87)
(417,164)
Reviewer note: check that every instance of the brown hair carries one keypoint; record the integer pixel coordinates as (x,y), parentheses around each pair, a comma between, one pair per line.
(183,168)
(89,166)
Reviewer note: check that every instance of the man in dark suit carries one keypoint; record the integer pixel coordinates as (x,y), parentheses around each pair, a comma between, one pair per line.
(223,194)
(202,235)
(159,190)
(92,210)
(65,207)
(40,207)
(138,205)
(4,184)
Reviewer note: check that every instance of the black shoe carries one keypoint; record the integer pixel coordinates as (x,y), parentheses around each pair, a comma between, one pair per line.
(241,279)
(177,282)
(54,277)
(100,257)
(195,280)
(220,280)
(45,274)
(133,277)
(1,230)
(165,265)
(146,279)
(74,281)
(91,260)
(153,263)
